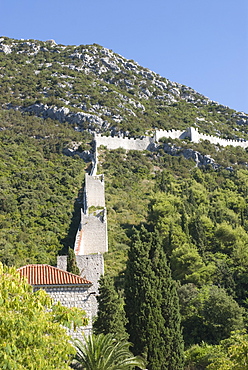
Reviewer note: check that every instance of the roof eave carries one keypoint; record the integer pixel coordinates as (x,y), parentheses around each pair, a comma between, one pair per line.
(61,285)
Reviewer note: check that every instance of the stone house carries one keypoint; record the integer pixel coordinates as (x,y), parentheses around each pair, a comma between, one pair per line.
(64,287)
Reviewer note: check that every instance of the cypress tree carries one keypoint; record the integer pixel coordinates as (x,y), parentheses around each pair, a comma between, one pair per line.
(111,316)
(152,304)
(72,263)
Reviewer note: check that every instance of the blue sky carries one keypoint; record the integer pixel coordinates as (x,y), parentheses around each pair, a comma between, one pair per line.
(201,44)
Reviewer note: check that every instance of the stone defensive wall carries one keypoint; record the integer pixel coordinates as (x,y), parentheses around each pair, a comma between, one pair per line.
(93,171)
(148,143)
(94,193)
(92,233)
(173,134)
(91,267)
(92,236)
(111,142)
(195,136)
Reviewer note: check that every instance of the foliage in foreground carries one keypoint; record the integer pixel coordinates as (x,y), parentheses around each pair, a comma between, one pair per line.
(31,335)
(103,352)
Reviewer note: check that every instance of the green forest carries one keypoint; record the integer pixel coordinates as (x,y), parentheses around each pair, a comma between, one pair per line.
(178,233)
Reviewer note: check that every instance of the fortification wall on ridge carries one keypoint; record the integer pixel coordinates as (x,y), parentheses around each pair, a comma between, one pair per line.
(94,194)
(93,171)
(93,233)
(173,134)
(195,136)
(125,143)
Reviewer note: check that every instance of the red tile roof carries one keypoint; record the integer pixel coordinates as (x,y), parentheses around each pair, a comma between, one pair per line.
(49,275)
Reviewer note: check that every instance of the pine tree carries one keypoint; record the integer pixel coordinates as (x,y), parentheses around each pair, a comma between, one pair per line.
(72,263)
(152,304)
(111,315)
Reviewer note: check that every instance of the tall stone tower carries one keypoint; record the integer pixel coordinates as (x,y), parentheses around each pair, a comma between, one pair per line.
(92,232)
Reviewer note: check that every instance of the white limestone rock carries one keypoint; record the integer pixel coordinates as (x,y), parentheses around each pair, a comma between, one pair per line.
(6,49)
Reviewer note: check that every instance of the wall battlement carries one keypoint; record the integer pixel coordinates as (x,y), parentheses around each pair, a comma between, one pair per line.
(92,232)
(148,143)
(126,143)
(194,135)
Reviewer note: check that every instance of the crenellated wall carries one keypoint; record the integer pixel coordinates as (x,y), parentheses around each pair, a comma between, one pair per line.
(173,134)
(110,142)
(195,136)
(148,143)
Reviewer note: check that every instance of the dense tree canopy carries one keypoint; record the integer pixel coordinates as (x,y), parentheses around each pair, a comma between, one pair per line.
(208,314)
(229,354)
(38,188)
(152,304)
(110,315)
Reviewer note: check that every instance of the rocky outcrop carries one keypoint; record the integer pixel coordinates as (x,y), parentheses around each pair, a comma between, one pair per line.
(86,155)
(64,114)
(199,159)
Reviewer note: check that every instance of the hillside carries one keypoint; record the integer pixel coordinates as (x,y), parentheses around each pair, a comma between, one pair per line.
(53,97)
(93,88)
(194,196)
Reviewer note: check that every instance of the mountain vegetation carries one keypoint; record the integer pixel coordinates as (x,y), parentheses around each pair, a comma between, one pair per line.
(172,213)
(92,87)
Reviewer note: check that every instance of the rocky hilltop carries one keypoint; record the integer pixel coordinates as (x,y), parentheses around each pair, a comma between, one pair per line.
(93,88)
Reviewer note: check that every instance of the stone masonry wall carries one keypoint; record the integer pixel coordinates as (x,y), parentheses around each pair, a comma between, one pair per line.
(62,262)
(126,143)
(147,142)
(173,134)
(74,296)
(94,233)
(195,136)
(94,194)
(91,267)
